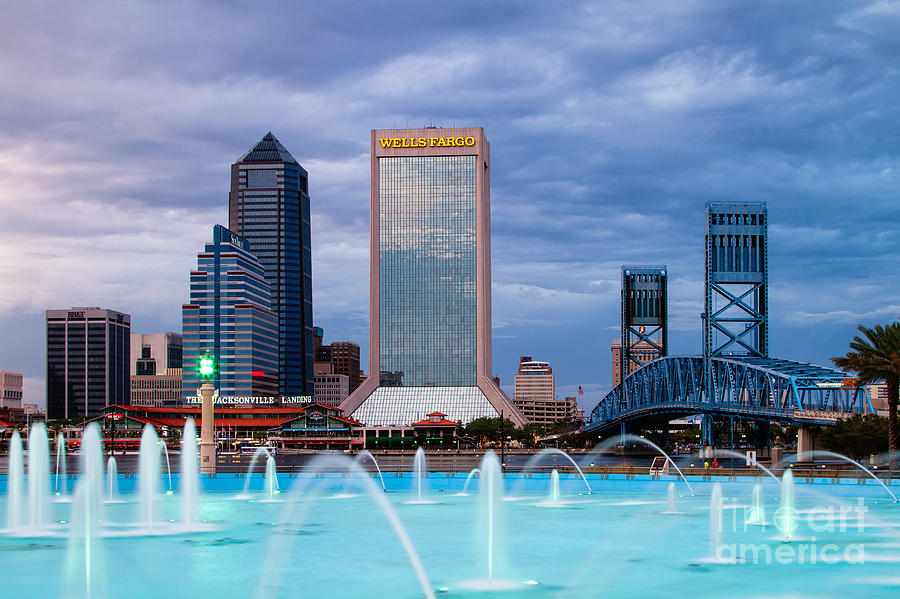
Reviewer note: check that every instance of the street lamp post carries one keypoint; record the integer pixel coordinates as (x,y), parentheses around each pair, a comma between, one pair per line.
(502,454)
(207,369)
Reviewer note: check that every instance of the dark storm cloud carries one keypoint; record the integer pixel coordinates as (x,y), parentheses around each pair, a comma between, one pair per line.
(611,124)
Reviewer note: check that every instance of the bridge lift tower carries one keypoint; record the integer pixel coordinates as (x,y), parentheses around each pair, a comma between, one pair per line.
(645,317)
(736,315)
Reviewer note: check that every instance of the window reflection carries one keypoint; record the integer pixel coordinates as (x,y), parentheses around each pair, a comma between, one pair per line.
(427,268)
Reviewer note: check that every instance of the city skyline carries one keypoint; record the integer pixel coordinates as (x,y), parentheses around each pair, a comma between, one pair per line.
(610,126)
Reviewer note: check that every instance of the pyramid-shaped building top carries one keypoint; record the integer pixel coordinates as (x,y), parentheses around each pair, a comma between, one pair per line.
(268,149)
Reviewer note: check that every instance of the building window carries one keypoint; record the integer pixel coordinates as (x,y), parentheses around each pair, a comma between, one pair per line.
(262,178)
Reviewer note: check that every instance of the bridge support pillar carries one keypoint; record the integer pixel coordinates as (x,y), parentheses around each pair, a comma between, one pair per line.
(706,430)
(806,443)
(764,432)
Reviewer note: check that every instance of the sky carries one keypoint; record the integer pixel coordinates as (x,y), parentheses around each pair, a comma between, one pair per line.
(611,124)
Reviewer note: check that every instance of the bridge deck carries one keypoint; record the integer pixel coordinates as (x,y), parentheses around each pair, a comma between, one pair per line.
(769,389)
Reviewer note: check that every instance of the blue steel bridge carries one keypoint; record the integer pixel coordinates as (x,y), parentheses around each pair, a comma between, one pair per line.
(749,388)
(734,378)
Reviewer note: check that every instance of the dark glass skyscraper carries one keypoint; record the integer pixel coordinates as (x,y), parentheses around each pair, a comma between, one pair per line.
(269,207)
(88,352)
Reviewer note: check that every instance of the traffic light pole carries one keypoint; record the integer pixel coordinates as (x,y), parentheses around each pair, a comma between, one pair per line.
(207,430)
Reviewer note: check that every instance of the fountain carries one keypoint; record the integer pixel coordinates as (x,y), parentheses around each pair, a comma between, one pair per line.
(90,466)
(38,477)
(189,473)
(60,465)
(271,479)
(559,547)
(165,449)
(472,474)
(84,563)
(715,522)
(84,556)
(554,451)
(490,522)
(855,463)
(753,461)
(786,514)
(365,454)
(757,514)
(420,470)
(553,497)
(670,501)
(260,451)
(15,502)
(112,477)
(643,441)
(295,512)
(149,479)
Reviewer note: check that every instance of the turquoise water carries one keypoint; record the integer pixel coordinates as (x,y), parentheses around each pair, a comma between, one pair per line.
(336,542)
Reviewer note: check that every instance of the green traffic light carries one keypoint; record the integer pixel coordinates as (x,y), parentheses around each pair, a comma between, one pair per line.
(207,366)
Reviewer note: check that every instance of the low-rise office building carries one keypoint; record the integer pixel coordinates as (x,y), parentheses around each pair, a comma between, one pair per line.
(157,390)
(548,411)
(311,426)
(10,389)
(331,389)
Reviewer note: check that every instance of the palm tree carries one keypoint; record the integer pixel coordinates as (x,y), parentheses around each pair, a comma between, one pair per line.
(874,358)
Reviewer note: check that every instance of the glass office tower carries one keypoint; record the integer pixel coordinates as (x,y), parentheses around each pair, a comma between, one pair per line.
(88,360)
(229,315)
(269,207)
(430,327)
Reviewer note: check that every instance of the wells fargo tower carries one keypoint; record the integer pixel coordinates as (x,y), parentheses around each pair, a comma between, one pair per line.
(269,207)
(430,281)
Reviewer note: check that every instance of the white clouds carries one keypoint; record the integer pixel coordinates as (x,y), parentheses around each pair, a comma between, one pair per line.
(34,390)
(872,16)
(886,313)
(610,125)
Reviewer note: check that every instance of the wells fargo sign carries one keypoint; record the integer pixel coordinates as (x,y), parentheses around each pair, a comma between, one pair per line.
(427,142)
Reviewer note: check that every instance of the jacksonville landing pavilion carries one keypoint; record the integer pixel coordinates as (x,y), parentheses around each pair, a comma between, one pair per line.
(430,281)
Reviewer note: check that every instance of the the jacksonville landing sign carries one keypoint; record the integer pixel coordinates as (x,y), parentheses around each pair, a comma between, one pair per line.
(427,142)
(790,549)
(253,400)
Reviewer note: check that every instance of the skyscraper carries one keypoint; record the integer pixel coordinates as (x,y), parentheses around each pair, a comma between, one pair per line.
(156,375)
(535,394)
(430,282)
(88,356)
(269,207)
(155,353)
(535,380)
(229,315)
(342,358)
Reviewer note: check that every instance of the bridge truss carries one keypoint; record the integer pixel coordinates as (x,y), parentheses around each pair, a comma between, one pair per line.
(755,388)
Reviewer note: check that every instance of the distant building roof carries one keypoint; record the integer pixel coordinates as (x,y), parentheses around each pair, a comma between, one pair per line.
(435,419)
(268,149)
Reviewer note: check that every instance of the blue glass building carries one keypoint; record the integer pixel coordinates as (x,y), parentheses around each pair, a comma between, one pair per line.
(269,207)
(229,314)
(430,298)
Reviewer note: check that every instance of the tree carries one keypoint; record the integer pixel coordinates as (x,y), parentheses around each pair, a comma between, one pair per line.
(483,430)
(858,437)
(487,430)
(874,358)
